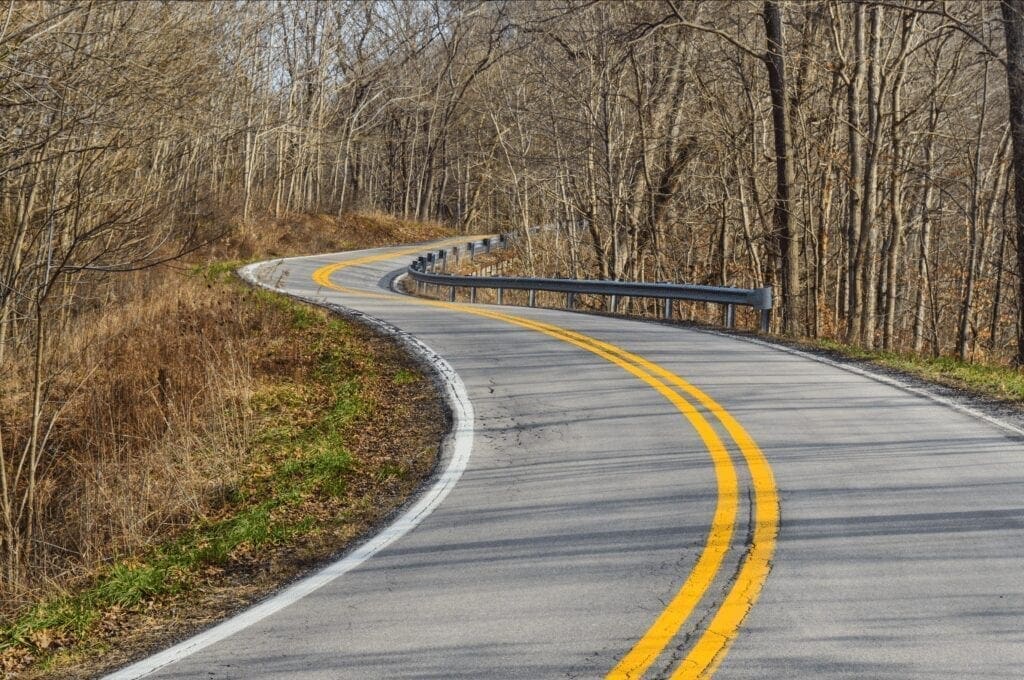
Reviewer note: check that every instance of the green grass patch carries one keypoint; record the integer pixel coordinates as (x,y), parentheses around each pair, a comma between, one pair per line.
(304,317)
(218,272)
(990,380)
(390,471)
(405,377)
(325,471)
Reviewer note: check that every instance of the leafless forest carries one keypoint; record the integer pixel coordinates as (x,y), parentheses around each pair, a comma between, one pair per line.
(856,155)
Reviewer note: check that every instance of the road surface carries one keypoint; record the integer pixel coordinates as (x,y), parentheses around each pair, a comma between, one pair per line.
(643,500)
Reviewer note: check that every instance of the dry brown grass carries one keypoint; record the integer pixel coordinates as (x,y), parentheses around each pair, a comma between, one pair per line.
(292,394)
(137,407)
(158,422)
(155,430)
(300,234)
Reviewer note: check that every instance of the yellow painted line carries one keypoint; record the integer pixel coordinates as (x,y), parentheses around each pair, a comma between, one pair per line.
(678,610)
(714,643)
(323,274)
(711,647)
(724,519)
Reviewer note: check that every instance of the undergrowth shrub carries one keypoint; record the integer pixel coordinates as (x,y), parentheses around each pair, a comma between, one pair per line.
(147,399)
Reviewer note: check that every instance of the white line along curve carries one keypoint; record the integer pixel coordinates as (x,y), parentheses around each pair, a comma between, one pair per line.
(892,381)
(457,448)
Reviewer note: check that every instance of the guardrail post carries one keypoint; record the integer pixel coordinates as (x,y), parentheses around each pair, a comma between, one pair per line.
(419,288)
(730,316)
(451,294)
(614,303)
(666,309)
(533,298)
(472,294)
(570,300)
(766,320)
(487,245)
(471,249)
(501,295)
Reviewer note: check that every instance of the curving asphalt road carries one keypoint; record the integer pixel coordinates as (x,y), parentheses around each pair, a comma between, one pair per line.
(591,497)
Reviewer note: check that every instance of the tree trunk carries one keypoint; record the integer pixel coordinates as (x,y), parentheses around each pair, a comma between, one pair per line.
(997,296)
(784,178)
(855,84)
(973,218)
(1013,27)
(897,181)
(867,287)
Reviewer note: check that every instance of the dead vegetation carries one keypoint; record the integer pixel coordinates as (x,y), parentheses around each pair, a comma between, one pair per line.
(184,403)
(297,234)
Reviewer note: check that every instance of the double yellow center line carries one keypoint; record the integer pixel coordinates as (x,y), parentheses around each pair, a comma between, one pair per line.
(713,643)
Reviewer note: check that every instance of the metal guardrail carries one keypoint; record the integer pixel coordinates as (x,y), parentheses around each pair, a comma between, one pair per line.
(424,271)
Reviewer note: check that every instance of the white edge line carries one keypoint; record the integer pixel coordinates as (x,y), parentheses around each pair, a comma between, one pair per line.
(877,377)
(457,447)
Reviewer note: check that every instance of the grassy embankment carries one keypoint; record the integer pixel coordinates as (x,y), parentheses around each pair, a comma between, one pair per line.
(988,380)
(227,439)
